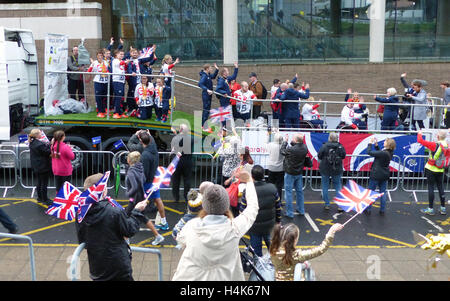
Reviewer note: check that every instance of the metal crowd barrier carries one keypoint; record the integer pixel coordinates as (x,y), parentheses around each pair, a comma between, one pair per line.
(204,167)
(76,255)
(361,177)
(30,244)
(8,170)
(86,163)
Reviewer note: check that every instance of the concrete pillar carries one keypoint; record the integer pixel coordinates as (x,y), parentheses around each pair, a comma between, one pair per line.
(377,20)
(230,32)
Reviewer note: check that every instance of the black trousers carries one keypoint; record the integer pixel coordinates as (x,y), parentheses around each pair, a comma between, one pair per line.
(41,187)
(184,170)
(435,179)
(74,87)
(60,182)
(256,111)
(277,178)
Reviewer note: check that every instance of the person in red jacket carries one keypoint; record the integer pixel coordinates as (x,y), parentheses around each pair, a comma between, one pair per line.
(62,155)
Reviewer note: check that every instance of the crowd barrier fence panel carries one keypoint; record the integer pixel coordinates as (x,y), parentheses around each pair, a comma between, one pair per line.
(30,245)
(361,177)
(76,255)
(204,167)
(8,170)
(86,163)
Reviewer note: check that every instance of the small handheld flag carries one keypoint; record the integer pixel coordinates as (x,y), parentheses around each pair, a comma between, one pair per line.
(65,203)
(221,114)
(96,140)
(119,144)
(356,198)
(163,176)
(23,138)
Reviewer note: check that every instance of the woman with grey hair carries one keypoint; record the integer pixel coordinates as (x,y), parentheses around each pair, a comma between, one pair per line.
(275,163)
(390,114)
(330,157)
(419,112)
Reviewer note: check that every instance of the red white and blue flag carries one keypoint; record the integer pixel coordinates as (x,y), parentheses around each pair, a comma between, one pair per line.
(354,197)
(65,203)
(221,114)
(163,176)
(93,195)
(146,52)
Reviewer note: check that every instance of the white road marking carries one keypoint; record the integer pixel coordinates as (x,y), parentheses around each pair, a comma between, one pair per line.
(311,222)
(433,224)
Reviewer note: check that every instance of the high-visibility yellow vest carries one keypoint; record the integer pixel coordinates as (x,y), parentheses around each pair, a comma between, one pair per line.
(430,166)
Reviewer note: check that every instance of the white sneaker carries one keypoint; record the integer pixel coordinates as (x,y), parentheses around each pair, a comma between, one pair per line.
(159,239)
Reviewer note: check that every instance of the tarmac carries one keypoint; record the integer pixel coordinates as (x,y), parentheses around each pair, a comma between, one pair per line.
(337,264)
(372,249)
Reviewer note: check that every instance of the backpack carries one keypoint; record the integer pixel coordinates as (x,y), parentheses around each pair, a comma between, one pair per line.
(264,93)
(233,193)
(332,157)
(443,161)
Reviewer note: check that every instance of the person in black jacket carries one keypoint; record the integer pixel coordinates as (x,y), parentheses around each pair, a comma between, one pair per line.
(104,229)
(293,163)
(150,160)
(330,156)
(41,163)
(269,211)
(182,142)
(379,174)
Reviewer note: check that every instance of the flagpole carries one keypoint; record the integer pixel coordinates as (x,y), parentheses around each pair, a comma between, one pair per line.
(351,219)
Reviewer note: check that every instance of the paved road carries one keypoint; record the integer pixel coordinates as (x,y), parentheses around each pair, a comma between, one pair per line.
(392,230)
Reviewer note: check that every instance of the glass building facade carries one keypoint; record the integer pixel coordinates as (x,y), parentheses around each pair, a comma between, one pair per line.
(278,30)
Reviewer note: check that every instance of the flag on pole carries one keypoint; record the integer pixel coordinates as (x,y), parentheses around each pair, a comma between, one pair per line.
(354,197)
(119,144)
(96,140)
(93,195)
(163,176)
(221,114)
(146,52)
(65,203)
(23,138)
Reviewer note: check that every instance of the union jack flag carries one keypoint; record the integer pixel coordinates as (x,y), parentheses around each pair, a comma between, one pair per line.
(92,195)
(65,203)
(146,52)
(221,114)
(163,176)
(354,197)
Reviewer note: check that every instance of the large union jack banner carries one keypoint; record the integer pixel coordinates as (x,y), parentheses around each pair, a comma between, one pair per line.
(65,203)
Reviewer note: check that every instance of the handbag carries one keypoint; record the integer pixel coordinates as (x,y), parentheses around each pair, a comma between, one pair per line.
(308,162)
(233,193)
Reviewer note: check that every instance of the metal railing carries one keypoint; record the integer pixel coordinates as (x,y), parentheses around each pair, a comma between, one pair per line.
(30,245)
(73,270)
(86,163)
(8,170)
(204,167)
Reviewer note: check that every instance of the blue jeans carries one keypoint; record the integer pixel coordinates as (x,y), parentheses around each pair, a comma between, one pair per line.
(373,184)
(256,242)
(6,221)
(291,182)
(337,184)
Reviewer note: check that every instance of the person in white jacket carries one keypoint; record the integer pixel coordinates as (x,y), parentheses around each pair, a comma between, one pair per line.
(211,241)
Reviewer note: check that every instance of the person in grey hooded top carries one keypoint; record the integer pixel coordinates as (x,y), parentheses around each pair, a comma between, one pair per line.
(419,112)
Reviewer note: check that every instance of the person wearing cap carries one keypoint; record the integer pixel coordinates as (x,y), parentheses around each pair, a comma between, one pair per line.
(104,229)
(258,89)
(211,241)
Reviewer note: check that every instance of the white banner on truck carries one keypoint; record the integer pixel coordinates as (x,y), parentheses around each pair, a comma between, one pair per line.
(55,85)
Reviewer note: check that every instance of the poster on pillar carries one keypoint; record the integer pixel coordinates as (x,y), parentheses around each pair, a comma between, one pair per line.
(55,85)
(406,155)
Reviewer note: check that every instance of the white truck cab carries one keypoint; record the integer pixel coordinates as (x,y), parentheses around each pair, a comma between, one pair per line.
(19,80)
